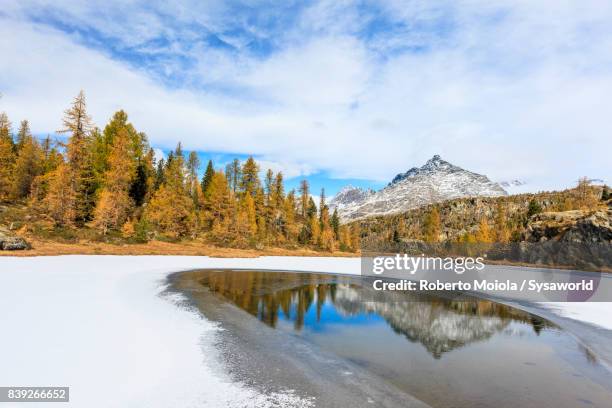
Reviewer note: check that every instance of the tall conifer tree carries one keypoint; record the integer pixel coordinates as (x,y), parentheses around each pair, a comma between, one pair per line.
(7,157)
(304,197)
(208,177)
(83,181)
(115,203)
(171,209)
(28,164)
(193,166)
(249,182)
(61,199)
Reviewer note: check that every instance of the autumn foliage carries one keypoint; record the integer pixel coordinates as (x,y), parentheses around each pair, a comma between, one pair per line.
(108,181)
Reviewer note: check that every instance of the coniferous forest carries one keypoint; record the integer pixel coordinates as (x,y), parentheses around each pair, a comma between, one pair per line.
(107,182)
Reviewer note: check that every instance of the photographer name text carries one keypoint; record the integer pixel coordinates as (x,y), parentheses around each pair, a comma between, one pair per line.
(483,284)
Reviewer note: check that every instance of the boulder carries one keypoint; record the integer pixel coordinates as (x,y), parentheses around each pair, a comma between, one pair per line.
(9,242)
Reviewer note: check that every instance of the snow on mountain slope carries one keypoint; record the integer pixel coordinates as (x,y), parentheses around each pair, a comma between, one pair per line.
(436,181)
(348,197)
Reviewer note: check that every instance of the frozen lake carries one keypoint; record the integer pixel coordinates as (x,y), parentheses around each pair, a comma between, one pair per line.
(444,352)
(107,327)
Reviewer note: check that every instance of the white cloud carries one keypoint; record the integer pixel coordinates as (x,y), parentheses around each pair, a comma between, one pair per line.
(511,89)
(289,169)
(158,154)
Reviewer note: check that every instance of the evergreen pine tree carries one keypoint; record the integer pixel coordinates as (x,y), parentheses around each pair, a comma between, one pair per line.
(249,182)
(534,208)
(137,140)
(208,177)
(335,224)
(171,209)
(311,211)
(159,174)
(141,183)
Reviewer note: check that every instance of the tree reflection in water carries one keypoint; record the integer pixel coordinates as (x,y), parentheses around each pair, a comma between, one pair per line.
(440,324)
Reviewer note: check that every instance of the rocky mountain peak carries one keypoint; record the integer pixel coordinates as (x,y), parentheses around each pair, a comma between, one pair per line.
(348,195)
(437,180)
(436,163)
(346,189)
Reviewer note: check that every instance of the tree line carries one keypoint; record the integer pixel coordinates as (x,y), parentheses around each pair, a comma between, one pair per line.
(500,220)
(109,180)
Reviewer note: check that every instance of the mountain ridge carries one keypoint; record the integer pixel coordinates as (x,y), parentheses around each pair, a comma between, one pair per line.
(437,180)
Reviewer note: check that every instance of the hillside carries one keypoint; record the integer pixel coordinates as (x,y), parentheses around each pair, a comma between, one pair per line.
(571,227)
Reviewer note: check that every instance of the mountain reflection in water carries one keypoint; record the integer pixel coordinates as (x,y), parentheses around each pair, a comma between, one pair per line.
(313,300)
(448,352)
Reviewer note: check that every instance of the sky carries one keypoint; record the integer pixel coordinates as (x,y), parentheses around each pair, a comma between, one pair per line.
(339,92)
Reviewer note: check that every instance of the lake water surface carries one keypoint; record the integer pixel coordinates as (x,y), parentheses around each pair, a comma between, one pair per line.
(445,352)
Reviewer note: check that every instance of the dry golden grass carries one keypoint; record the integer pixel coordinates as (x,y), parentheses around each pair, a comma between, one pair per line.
(48,248)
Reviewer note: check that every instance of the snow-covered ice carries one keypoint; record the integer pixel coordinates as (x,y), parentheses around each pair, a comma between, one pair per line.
(595,313)
(98,325)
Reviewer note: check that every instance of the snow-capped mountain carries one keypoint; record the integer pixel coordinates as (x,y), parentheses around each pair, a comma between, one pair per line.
(436,181)
(348,197)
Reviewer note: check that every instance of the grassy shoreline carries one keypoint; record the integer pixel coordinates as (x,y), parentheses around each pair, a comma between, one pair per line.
(50,248)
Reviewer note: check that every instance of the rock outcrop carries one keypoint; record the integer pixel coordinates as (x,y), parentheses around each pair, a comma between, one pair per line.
(581,239)
(570,226)
(10,242)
